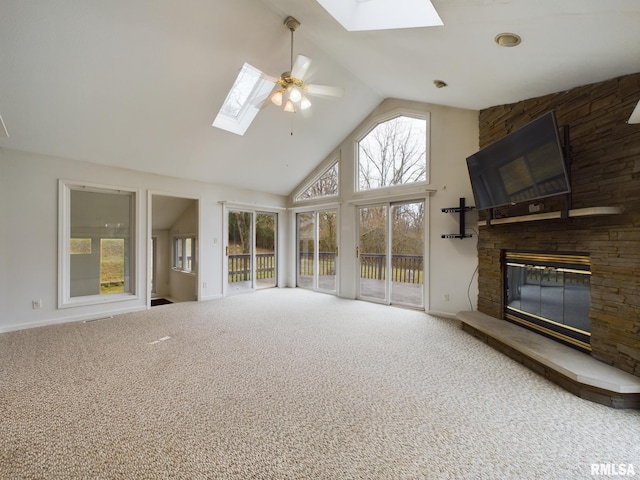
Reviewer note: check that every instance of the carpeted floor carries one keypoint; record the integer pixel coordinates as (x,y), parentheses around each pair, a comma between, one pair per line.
(288,384)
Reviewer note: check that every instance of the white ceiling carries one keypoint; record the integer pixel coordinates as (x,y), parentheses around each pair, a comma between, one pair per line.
(137,83)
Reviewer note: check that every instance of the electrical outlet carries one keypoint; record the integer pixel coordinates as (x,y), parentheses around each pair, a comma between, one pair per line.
(446,297)
(36,304)
(204,284)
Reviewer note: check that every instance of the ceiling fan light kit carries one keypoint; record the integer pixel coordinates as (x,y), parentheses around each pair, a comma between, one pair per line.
(290,89)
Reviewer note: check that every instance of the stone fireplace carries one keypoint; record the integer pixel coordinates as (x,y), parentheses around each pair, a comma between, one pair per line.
(605,172)
(550,293)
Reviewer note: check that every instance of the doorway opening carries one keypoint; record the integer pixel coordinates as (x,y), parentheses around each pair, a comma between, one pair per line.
(173,249)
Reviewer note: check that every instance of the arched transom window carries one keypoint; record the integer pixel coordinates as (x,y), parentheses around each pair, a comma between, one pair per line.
(393,153)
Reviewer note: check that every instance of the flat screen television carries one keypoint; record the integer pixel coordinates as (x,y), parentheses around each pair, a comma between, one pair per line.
(525,165)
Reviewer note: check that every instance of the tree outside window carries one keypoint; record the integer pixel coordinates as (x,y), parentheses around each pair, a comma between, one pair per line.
(393,153)
(325,186)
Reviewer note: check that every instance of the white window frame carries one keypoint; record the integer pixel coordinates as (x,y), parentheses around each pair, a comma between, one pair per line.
(325,166)
(64,239)
(392,189)
(182,239)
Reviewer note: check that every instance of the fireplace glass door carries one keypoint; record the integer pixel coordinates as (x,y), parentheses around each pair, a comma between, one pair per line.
(554,299)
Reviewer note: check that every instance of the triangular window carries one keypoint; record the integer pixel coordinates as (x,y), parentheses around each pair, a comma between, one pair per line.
(326,185)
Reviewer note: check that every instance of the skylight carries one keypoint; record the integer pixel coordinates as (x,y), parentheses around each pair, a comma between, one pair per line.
(242,103)
(358,15)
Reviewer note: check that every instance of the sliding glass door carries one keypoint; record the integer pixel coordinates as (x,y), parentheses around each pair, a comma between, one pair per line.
(317,250)
(327,250)
(391,253)
(306,250)
(407,254)
(265,250)
(240,251)
(372,252)
(251,250)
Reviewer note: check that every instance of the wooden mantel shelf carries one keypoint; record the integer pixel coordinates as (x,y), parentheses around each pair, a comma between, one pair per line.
(576,212)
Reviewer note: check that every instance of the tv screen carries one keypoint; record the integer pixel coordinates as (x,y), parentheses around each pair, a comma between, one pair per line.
(525,165)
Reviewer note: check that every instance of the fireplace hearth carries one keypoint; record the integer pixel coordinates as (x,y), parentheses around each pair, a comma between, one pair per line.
(550,294)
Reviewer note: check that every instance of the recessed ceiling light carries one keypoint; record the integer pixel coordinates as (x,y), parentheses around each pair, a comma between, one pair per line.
(507,39)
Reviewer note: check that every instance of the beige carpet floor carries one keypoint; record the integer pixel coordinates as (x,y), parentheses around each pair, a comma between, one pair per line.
(288,384)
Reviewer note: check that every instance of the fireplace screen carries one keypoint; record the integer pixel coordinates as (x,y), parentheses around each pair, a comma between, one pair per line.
(551,294)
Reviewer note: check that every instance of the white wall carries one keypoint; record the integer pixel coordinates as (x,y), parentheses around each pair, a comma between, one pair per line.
(452,262)
(29,224)
(29,234)
(163,262)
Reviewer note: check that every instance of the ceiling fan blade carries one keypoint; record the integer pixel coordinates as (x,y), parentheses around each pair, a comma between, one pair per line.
(269,78)
(300,67)
(324,90)
(265,91)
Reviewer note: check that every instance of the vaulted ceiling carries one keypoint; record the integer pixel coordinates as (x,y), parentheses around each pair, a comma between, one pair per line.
(137,83)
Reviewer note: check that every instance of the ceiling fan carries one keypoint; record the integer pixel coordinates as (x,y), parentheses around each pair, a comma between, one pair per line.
(290,90)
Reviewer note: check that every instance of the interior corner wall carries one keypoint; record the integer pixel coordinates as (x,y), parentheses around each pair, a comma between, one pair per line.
(163,263)
(29,234)
(605,171)
(451,285)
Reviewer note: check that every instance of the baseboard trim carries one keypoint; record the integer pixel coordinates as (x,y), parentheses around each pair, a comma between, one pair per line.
(71,319)
(210,297)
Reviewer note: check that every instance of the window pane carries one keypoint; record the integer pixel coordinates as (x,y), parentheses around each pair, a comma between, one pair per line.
(265,250)
(179,254)
(100,228)
(189,246)
(407,249)
(327,249)
(393,153)
(80,246)
(111,265)
(241,90)
(325,186)
(306,249)
(372,252)
(240,251)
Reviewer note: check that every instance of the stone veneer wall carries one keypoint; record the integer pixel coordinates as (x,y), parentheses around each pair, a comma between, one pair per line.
(605,171)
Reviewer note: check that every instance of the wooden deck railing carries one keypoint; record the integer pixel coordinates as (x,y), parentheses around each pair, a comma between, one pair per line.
(404,268)
(240,266)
